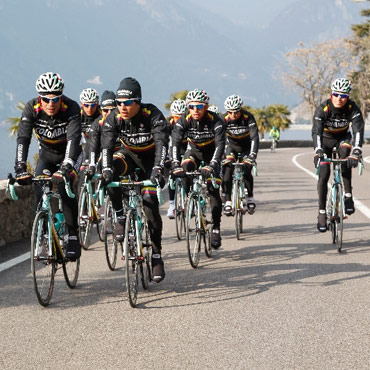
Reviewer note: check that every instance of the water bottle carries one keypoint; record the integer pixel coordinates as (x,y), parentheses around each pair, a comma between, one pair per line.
(59,223)
(203,203)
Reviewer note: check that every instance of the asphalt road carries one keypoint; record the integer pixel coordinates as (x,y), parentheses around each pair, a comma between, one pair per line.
(280,298)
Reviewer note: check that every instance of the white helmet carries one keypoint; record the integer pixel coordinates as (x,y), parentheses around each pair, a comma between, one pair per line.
(89,95)
(50,83)
(214,108)
(342,85)
(233,103)
(197,95)
(178,107)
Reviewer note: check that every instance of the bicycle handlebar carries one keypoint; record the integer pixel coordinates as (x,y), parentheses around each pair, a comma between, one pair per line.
(339,161)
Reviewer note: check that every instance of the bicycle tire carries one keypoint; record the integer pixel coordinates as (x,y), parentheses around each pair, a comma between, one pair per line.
(43,267)
(330,216)
(339,218)
(193,230)
(110,244)
(179,211)
(84,219)
(100,224)
(131,261)
(71,271)
(238,214)
(145,264)
(207,243)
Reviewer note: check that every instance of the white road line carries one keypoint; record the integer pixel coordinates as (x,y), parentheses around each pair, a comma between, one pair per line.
(8,264)
(367,159)
(359,205)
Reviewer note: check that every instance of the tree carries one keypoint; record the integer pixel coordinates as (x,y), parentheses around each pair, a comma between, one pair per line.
(14,121)
(361,50)
(177,95)
(278,116)
(310,70)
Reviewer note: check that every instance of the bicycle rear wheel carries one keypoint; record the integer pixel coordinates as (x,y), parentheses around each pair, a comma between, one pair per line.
(193,232)
(84,219)
(145,264)
(71,271)
(339,212)
(207,243)
(43,265)
(130,252)
(110,244)
(180,210)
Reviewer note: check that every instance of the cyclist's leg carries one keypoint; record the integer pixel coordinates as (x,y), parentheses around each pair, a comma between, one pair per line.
(189,163)
(228,169)
(344,151)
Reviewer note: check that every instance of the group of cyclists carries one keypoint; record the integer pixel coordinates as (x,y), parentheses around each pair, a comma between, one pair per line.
(121,134)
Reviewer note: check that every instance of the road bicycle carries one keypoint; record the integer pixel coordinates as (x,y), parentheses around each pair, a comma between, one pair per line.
(273,144)
(238,199)
(89,210)
(137,247)
(335,210)
(180,204)
(49,240)
(196,224)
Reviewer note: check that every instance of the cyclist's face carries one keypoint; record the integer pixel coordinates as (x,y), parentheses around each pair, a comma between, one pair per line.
(49,107)
(106,111)
(128,111)
(235,115)
(197,109)
(89,108)
(338,101)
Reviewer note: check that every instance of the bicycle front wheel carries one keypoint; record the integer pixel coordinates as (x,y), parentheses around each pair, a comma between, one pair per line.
(238,212)
(339,212)
(193,230)
(207,243)
(43,264)
(84,219)
(130,253)
(71,270)
(110,243)
(180,210)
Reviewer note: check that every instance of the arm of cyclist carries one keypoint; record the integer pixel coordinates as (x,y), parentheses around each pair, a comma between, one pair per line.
(94,147)
(177,135)
(358,126)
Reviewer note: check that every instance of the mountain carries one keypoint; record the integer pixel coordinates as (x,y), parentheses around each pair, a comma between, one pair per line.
(167,45)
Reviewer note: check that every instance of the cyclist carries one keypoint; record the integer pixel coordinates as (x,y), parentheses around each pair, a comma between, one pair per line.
(331,128)
(241,137)
(143,131)
(206,142)
(214,108)
(56,121)
(275,134)
(108,104)
(177,109)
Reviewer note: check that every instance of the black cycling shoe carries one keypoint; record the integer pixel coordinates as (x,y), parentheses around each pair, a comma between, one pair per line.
(322,225)
(158,273)
(215,239)
(73,248)
(349,205)
(119,229)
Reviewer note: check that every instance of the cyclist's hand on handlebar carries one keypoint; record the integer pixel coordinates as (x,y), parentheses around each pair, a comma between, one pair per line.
(21,174)
(157,176)
(107,175)
(319,156)
(252,157)
(352,160)
(90,171)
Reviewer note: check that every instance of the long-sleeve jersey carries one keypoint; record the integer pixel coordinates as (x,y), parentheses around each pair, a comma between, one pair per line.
(59,134)
(242,130)
(204,135)
(145,134)
(334,123)
(87,121)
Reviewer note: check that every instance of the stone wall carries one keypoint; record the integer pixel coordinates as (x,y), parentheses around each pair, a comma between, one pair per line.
(15,216)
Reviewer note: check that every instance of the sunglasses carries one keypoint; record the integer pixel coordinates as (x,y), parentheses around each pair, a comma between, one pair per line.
(48,100)
(107,110)
(197,106)
(90,105)
(343,96)
(126,103)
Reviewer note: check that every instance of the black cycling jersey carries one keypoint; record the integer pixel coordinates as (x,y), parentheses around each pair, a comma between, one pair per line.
(87,121)
(334,123)
(208,134)
(58,135)
(242,131)
(146,134)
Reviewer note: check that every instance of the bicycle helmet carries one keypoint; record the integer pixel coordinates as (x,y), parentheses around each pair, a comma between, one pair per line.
(214,108)
(178,107)
(342,85)
(197,95)
(233,103)
(89,95)
(50,83)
